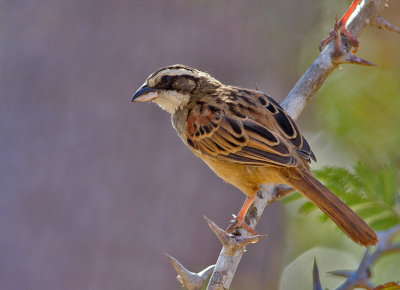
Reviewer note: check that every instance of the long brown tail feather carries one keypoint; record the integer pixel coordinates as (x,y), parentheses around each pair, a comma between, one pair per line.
(350,223)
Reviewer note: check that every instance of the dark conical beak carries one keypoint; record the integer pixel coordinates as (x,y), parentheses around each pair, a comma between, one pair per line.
(145,94)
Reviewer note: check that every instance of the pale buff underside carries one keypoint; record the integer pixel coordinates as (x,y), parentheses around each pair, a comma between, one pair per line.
(171,101)
(246,178)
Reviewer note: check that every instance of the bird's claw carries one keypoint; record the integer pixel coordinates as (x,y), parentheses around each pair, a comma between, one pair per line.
(343,32)
(238,223)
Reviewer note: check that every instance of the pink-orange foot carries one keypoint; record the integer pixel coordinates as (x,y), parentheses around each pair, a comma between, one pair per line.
(238,222)
(343,30)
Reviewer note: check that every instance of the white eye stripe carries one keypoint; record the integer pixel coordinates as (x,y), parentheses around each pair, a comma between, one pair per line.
(157,78)
(177,72)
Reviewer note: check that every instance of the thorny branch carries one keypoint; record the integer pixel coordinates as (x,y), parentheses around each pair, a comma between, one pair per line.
(361,276)
(334,54)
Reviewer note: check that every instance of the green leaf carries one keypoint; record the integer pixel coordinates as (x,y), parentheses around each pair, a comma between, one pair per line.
(367,179)
(372,193)
(388,183)
(307,207)
(364,120)
(368,209)
(383,223)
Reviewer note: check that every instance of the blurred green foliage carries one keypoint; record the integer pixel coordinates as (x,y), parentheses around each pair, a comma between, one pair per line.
(360,110)
(372,193)
(356,112)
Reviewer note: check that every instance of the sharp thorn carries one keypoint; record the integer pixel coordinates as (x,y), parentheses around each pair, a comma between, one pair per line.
(244,241)
(189,280)
(351,58)
(337,39)
(231,243)
(222,235)
(316,281)
(342,273)
(382,23)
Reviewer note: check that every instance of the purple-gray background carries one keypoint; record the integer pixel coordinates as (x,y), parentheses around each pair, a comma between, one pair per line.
(94,189)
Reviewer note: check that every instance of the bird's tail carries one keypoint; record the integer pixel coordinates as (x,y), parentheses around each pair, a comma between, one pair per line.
(350,223)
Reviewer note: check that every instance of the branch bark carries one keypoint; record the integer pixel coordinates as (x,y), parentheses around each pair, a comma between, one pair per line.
(362,276)
(294,103)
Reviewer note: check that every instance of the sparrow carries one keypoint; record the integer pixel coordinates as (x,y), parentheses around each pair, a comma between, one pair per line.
(247,139)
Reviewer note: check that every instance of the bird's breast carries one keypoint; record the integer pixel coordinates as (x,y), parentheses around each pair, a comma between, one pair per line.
(244,177)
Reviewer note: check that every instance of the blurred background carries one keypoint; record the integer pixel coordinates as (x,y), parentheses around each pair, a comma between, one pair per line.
(94,189)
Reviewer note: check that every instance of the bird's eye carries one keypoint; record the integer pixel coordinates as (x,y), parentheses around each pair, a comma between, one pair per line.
(165,80)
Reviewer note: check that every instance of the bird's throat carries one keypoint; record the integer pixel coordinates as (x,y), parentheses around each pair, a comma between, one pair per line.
(172,101)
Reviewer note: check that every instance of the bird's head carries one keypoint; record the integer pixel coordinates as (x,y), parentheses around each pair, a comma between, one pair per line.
(173,86)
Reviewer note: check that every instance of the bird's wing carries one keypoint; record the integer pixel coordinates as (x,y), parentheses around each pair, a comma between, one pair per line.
(236,138)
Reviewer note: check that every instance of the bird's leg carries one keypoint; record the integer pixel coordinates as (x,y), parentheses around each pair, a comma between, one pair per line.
(239,221)
(342,28)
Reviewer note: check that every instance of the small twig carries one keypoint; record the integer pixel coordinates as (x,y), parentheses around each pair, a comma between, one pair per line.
(358,278)
(361,276)
(382,23)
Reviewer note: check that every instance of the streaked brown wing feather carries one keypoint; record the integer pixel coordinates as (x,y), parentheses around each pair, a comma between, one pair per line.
(287,127)
(289,130)
(270,138)
(240,141)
